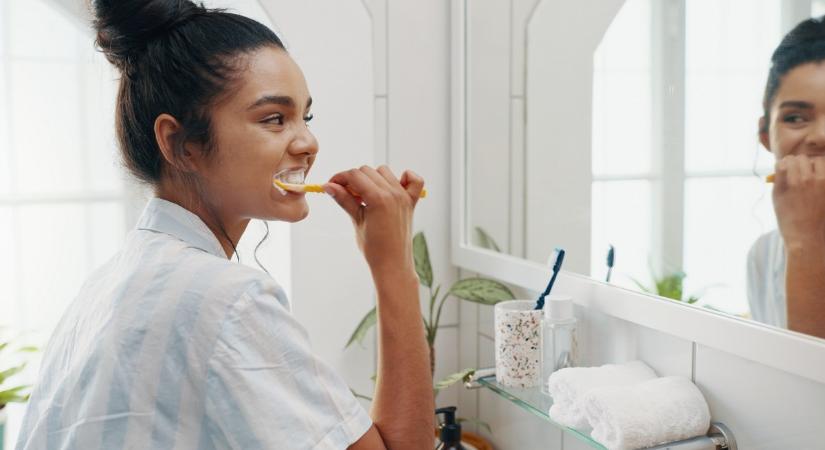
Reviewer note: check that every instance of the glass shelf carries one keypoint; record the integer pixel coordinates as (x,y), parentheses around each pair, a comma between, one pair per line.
(536,403)
(533,401)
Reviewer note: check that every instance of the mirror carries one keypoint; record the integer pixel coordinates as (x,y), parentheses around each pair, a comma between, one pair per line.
(626,124)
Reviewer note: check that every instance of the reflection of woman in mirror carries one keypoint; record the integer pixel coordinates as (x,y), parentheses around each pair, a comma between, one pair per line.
(786,267)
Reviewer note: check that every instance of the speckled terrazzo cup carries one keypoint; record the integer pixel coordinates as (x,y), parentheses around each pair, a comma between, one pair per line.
(518,337)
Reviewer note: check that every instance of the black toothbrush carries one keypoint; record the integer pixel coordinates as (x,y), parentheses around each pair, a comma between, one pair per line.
(556,270)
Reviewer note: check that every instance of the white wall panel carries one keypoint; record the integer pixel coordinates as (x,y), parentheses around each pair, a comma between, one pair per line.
(765,408)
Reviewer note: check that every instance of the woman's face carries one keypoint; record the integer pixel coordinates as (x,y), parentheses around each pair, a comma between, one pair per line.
(797,114)
(260,131)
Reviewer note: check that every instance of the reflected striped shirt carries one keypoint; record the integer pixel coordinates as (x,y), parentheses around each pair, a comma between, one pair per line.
(170,345)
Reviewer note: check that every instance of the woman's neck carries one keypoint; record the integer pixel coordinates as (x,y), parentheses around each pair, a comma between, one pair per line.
(228,230)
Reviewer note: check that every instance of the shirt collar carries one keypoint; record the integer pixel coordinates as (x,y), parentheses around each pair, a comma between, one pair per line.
(170,218)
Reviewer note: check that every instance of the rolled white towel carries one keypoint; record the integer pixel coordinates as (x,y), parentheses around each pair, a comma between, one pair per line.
(646,414)
(567,386)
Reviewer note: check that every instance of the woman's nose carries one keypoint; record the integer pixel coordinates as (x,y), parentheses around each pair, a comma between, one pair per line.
(304,143)
(816,136)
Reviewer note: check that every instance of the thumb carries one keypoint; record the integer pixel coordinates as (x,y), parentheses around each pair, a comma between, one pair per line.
(413,184)
(345,200)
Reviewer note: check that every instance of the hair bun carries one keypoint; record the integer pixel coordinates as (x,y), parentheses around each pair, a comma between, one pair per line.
(124,27)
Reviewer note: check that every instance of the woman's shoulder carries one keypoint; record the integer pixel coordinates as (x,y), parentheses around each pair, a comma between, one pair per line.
(244,280)
(765,245)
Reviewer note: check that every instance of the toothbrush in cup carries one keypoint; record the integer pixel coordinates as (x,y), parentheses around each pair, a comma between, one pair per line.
(556,270)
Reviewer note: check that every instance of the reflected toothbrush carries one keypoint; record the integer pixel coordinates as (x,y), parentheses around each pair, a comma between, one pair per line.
(611,259)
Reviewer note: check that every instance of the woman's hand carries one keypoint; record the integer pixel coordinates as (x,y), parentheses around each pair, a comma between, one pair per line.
(382,213)
(799,199)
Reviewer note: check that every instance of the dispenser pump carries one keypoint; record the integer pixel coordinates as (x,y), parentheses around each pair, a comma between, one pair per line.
(450,430)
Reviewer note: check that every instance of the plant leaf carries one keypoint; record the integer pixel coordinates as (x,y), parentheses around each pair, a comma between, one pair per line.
(477,422)
(29,349)
(357,395)
(421,254)
(641,286)
(10,372)
(670,286)
(486,241)
(481,290)
(454,378)
(13,395)
(361,330)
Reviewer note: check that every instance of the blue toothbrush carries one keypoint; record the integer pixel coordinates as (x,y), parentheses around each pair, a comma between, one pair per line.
(556,270)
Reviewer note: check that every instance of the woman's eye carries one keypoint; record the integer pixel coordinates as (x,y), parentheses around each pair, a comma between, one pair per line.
(308,117)
(277,120)
(793,118)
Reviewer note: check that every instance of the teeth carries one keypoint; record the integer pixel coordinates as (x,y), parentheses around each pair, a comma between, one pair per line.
(290,177)
(294,178)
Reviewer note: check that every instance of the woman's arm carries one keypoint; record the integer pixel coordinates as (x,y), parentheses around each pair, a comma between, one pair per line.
(805,287)
(402,409)
(799,202)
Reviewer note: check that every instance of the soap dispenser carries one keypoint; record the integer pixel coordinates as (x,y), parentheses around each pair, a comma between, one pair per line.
(450,435)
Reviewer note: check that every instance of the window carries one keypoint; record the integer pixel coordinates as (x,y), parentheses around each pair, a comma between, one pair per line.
(62,196)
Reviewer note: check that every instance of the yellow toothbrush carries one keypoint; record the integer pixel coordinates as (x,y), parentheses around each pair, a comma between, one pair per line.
(315,188)
(770,178)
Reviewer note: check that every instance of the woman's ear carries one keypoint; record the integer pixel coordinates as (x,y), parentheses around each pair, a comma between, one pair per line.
(764,138)
(178,155)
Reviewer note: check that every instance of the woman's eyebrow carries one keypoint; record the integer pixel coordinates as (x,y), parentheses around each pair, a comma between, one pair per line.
(796,104)
(283,100)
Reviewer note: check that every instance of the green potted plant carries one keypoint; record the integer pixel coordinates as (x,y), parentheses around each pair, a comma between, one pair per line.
(669,286)
(477,290)
(10,393)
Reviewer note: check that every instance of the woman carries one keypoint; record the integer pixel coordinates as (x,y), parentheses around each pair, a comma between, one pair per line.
(172,345)
(786,268)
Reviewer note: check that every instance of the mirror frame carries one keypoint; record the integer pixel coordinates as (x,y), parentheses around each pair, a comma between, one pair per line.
(785,350)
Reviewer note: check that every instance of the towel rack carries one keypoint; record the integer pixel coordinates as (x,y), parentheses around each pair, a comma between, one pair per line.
(719,436)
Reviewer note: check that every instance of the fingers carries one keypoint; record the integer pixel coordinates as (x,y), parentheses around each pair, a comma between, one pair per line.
(799,170)
(347,201)
(377,177)
(385,172)
(804,170)
(361,184)
(819,169)
(413,184)
(374,186)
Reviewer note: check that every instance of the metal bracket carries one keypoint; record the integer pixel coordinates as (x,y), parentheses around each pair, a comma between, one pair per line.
(472,382)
